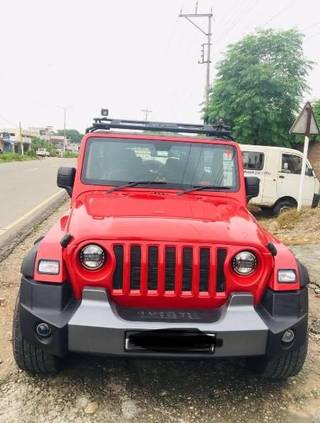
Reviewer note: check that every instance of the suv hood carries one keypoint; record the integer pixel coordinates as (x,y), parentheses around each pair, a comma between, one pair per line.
(163,216)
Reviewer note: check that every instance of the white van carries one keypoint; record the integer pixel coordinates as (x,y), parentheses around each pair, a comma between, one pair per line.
(279,170)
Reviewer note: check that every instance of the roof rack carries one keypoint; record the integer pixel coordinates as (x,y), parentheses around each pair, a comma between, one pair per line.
(105,124)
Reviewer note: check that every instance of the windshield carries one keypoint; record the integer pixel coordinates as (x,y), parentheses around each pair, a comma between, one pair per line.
(177,164)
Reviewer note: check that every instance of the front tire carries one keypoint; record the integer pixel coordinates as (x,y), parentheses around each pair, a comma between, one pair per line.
(281,366)
(29,356)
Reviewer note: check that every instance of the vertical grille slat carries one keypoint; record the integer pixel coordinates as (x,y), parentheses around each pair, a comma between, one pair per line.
(220,276)
(135,267)
(153,258)
(204,269)
(118,273)
(178,271)
(187,269)
(170,268)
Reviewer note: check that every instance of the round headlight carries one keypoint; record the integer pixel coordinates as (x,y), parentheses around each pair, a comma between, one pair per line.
(244,263)
(92,257)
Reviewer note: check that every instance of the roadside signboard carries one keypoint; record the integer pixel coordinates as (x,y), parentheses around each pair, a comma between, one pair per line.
(306,125)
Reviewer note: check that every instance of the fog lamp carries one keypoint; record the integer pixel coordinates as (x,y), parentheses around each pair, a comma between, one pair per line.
(43,330)
(288,336)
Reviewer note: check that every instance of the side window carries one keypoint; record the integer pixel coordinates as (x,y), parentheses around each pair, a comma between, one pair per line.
(252,160)
(293,164)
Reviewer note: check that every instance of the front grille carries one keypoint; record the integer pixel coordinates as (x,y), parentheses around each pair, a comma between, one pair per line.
(159,269)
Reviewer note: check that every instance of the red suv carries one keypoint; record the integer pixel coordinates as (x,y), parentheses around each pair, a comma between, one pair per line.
(158,256)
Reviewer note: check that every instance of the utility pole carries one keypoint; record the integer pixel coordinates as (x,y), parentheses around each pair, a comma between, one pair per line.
(21,139)
(64,129)
(146,112)
(205,47)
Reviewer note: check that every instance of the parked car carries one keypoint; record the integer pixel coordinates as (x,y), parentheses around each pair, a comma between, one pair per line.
(279,170)
(159,257)
(42,152)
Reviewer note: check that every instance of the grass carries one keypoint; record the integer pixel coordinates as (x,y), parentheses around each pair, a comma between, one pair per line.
(289,219)
(293,227)
(70,155)
(14,157)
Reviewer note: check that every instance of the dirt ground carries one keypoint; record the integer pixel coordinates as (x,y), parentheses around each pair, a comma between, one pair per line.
(295,228)
(94,389)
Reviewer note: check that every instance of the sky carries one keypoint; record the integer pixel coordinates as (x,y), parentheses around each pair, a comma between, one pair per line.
(126,55)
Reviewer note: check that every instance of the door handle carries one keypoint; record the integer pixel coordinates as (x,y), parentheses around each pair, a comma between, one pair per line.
(281,176)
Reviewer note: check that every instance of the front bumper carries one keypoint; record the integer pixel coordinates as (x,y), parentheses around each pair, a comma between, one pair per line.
(95,325)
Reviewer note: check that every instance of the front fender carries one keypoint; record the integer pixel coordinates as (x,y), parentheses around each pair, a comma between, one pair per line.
(283,260)
(28,263)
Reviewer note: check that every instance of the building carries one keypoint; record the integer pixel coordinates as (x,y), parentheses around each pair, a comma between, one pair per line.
(13,140)
(42,133)
(314,156)
(6,145)
(73,147)
(59,142)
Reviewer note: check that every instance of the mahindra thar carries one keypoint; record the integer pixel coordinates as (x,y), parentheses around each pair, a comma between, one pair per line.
(159,257)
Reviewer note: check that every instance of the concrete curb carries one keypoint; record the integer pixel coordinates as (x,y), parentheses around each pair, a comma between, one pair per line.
(10,239)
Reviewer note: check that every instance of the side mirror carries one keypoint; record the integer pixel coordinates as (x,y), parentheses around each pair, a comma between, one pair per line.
(252,187)
(65,178)
(309,171)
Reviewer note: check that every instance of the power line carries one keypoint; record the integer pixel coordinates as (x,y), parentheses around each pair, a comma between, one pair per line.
(312,36)
(234,22)
(284,9)
(310,26)
(8,121)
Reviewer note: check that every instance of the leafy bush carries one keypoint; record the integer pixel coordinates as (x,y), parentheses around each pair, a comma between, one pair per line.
(37,143)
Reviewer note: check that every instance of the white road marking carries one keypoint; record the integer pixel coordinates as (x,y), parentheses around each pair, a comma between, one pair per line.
(30,212)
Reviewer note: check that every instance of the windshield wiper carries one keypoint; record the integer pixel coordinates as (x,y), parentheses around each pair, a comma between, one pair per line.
(201,187)
(134,183)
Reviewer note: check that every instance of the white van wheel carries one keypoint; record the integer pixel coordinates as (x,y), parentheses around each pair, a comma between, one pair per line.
(283,206)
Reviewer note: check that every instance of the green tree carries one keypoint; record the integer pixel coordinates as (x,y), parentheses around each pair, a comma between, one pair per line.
(74,135)
(37,143)
(259,87)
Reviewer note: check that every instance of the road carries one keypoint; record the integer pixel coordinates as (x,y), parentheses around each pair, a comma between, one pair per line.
(25,185)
